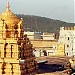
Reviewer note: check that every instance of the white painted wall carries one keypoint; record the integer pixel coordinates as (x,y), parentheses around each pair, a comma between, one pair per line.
(33,35)
(48,36)
(67,37)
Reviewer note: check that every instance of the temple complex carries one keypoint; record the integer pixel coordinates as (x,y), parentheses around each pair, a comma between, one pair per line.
(16,50)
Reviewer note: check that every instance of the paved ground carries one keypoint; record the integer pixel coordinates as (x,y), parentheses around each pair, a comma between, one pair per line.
(56,73)
(54,59)
(54,66)
(65,72)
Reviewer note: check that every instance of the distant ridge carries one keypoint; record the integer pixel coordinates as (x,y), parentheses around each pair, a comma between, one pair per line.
(42,24)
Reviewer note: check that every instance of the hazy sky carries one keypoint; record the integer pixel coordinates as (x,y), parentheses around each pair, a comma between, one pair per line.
(55,9)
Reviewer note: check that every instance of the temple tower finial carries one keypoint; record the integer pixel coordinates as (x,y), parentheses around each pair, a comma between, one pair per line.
(8,5)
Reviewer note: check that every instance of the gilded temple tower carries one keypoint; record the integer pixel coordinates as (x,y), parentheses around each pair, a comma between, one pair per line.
(16,52)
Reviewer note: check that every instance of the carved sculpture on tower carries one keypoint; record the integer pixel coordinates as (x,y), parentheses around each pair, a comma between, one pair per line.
(16,50)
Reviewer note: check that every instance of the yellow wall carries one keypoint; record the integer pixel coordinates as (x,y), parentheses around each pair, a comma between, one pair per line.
(43,43)
(47,44)
(61,49)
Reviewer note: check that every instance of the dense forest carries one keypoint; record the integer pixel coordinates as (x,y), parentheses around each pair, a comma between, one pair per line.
(42,24)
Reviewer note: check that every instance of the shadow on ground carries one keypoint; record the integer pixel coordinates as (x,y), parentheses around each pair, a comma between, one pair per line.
(47,68)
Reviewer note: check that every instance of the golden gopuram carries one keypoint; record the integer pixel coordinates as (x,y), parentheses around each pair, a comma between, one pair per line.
(16,50)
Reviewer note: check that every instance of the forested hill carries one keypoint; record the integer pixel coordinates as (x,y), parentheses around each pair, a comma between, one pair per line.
(37,23)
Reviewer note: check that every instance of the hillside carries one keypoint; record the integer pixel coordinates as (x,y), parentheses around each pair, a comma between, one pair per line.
(37,23)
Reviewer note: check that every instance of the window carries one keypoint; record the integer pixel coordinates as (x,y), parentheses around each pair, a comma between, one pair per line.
(67,54)
(0,51)
(68,38)
(67,45)
(11,50)
(5,45)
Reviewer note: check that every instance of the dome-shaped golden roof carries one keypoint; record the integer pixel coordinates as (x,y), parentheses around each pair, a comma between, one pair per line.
(9,17)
